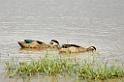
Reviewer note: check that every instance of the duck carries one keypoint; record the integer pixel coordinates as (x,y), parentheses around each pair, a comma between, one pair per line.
(73,48)
(29,43)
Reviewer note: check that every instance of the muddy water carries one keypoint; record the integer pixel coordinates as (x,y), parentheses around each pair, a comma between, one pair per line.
(84,22)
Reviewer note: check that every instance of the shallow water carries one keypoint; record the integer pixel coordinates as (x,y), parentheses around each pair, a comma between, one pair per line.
(84,22)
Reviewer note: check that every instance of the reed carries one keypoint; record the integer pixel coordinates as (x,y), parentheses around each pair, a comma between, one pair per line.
(89,70)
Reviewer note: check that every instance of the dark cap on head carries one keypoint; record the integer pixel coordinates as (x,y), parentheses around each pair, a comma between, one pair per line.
(93,47)
(55,41)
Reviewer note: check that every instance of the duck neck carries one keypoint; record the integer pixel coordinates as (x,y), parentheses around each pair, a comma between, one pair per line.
(58,47)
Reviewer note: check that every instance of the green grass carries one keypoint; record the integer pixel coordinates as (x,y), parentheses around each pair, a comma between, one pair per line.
(50,66)
(99,71)
(89,70)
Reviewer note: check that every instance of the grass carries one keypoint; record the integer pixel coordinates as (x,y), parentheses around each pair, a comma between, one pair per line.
(92,70)
(43,65)
(99,71)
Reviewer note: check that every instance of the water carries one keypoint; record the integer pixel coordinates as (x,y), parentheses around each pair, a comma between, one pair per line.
(83,22)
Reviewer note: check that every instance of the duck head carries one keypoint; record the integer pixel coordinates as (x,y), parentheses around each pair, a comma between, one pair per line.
(91,48)
(55,44)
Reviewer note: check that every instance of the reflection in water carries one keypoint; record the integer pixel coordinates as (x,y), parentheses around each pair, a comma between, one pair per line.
(37,50)
(57,78)
(42,78)
(31,50)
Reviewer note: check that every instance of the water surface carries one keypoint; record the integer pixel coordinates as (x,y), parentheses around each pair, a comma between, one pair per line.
(83,22)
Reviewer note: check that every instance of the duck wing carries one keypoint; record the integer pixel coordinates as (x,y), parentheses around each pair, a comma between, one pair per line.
(70,45)
(39,42)
(28,40)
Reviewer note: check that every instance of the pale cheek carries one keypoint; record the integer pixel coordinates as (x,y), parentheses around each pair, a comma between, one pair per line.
(54,44)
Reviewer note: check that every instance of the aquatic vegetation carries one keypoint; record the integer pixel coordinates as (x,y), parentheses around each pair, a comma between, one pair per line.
(89,70)
(50,66)
(99,71)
